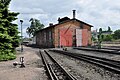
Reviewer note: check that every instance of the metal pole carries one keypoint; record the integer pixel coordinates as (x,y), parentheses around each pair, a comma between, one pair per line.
(21,36)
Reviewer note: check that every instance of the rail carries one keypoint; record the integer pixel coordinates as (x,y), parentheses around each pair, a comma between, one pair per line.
(55,71)
(108,64)
(105,50)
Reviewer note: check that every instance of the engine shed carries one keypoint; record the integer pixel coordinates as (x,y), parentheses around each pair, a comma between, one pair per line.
(67,32)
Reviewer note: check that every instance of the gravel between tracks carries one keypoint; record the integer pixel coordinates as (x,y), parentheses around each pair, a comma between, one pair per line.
(33,70)
(83,70)
(93,53)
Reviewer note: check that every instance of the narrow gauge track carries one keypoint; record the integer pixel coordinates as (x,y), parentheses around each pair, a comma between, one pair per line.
(54,70)
(108,64)
(115,49)
(104,50)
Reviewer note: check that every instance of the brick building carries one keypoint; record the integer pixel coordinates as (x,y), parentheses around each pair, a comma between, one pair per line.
(68,32)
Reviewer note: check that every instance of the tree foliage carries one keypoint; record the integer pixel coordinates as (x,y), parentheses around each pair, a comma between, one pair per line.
(8,31)
(116,34)
(34,27)
(100,38)
(109,29)
(108,38)
(93,38)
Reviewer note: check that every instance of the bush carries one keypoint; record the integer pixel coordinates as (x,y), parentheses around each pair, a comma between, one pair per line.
(7,55)
(108,38)
(116,34)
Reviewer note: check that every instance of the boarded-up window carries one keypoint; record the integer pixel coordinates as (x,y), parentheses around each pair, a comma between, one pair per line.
(44,36)
(50,37)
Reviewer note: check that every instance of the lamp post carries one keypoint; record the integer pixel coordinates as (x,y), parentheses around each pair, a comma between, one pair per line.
(21,36)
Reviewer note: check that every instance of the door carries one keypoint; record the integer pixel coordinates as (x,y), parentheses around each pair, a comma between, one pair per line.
(66,37)
(82,37)
(78,37)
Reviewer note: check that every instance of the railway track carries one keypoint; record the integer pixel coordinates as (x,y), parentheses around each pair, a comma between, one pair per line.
(108,64)
(115,49)
(105,50)
(54,70)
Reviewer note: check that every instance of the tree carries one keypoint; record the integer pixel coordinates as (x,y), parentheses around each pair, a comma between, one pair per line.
(100,38)
(34,27)
(93,38)
(9,38)
(107,38)
(116,34)
(29,31)
(109,29)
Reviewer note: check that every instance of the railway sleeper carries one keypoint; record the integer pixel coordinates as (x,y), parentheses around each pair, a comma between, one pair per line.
(93,61)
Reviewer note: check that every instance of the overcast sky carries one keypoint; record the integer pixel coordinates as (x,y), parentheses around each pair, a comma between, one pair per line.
(99,13)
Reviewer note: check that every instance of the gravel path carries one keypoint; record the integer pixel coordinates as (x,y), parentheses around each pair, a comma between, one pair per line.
(83,70)
(33,70)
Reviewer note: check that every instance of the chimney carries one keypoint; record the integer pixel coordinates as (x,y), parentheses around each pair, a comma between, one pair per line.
(50,24)
(59,20)
(74,14)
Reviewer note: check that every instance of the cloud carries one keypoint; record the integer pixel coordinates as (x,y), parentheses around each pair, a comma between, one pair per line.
(99,13)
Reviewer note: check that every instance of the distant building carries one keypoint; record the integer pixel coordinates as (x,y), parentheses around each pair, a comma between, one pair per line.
(95,33)
(106,32)
(68,32)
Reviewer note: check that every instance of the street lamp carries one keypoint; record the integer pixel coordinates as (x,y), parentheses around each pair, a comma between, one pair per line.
(21,36)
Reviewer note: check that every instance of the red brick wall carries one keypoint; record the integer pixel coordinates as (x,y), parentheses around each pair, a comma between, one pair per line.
(56,34)
(72,25)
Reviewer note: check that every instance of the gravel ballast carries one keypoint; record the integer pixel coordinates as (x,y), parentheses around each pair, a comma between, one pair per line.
(99,54)
(83,70)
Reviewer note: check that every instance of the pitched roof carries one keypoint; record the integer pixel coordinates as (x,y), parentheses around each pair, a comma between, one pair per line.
(82,22)
(64,20)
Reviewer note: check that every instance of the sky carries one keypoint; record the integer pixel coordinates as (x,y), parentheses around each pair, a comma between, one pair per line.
(99,13)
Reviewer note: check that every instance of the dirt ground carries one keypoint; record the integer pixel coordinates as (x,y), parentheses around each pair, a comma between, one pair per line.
(33,70)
